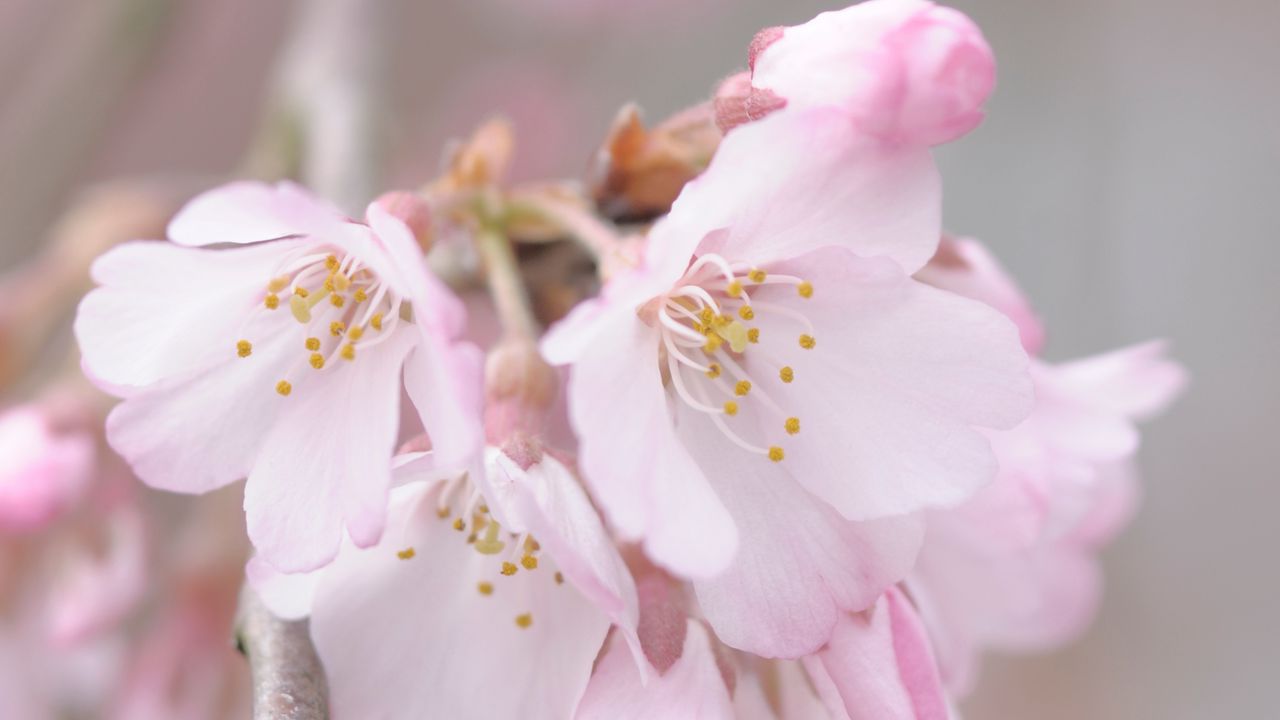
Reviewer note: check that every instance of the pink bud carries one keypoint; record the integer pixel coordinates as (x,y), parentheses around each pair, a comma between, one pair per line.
(413,210)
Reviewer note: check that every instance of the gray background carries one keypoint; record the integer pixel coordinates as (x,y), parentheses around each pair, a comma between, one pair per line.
(1128,175)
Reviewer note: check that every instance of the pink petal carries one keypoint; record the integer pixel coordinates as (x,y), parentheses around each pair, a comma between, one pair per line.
(248,212)
(794,182)
(799,565)
(414,638)
(881,664)
(327,462)
(42,474)
(164,311)
(890,399)
(287,595)
(634,461)
(402,263)
(1136,382)
(444,382)
(691,688)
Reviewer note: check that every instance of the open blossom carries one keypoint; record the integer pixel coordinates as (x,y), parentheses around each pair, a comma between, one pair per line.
(1015,568)
(42,472)
(483,599)
(769,393)
(279,360)
(903,70)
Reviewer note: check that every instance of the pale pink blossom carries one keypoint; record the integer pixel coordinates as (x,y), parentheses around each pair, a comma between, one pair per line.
(279,359)
(767,397)
(903,70)
(483,598)
(43,472)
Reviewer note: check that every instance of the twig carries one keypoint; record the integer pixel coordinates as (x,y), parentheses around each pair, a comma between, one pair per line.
(288,679)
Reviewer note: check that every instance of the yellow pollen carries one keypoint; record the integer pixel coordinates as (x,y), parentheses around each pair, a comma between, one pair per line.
(405,554)
(792,425)
(331,262)
(805,288)
(746,313)
(529,562)
(337,328)
(531,545)
(328,283)
(337,300)
(355,333)
(483,508)
(753,335)
(524,621)
(278,284)
(733,289)
(706,315)
(376,321)
(775,454)
(713,344)
(730,407)
(714,371)
(509,569)
(244,348)
(471,539)
(559,579)
(301,292)
(757,275)
(284,388)
(459,525)
(787,374)
(272,301)
(300,309)
(442,513)
(317,361)
(485,588)
(341,282)
(313,344)
(348,352)
(360,295)
(807,342)
(742,388)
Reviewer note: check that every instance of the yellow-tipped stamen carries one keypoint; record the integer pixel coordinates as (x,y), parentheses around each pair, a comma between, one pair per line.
(355,333)
(348,352)
(742,388)
(272,301)
(509,569)
(753,335)
(524,621)
(730,408)
(775,454)
(792,425)
(713,371)
(337,300)
(284,388)
(712,344)
(530,562)
(459,524)
(787,374)
(376,321)
(406,554)
(757,275)
(559,578)
(337,328)
(746,313)
(244,348)
(807,342)
(313,344)
(733,289)
(331,262)
(442,513)
(485,588)
(317,361)
(805,288)
(359,295)
(301,292)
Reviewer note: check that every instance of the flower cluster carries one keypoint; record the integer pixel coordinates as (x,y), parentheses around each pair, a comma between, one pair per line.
(798,457)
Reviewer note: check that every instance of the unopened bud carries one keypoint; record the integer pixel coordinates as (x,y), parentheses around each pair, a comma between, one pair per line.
(519,388)
(413,210)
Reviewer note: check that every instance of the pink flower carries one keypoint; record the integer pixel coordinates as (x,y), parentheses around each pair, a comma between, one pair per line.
(904,70)
(280,360)
(42,472)
(492,601)
(769,394)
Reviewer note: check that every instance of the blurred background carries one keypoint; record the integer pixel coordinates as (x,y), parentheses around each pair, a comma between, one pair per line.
(1128,175)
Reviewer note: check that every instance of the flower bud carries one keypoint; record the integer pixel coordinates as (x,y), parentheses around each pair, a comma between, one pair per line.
(519,388)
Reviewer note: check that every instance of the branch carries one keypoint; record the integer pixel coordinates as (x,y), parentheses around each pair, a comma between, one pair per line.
(288,679)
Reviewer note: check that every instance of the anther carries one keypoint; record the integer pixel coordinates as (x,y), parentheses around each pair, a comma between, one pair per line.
(807,342)
(376,321)
(530,562)
(746,313)
(442,513)
(734,288)
(805,288)
(524,621)
(337,300)
(317,361)
(244,348)
(712,344)
(757,275)
(348,352)
(331,262)
(775,454)
(284,388)
(359,295)
(713,371)
(405,554)
(792,425)
(559,578)
(706,315)
(742,388)
(753,335)
(787,374)
(272,301)
(730,408)
(485,588)
(313,344)
(509,569)
(336,328)
(301,292)
(459,525)
(355,333)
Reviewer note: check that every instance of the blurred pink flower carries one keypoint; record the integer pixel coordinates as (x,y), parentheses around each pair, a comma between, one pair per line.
(42,472)
(520,581)
(771,375)
(904,70)
(279,360)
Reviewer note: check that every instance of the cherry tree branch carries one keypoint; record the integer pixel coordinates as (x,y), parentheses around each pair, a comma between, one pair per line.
(288,679)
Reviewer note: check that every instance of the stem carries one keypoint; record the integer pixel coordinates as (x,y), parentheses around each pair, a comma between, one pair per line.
(288,680)
(506,285)
(593,234)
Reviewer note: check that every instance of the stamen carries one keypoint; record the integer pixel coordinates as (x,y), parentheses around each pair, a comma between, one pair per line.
(355,333)
(776,454)
(509,569)
(406,554)
(805,288)
(348,352)
(459,525)
(376,321)
(313,344)
(301,292)
(746,313)
(284,388)
(730,408)
(244,348)
(807,342)
(787,374)
(713,371)
(792,425)
(359,295)
(336,328)
(485,588)
(742,388)
(559,578)
(530,562)
(317,361)
(753,335)
(733,289)
(337,300)
(331,262)
(757,275)
(524,621)
(272,301)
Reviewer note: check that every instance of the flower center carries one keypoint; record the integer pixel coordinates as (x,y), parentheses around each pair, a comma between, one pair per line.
(708,337)
(342,307)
